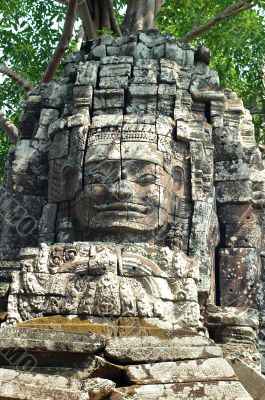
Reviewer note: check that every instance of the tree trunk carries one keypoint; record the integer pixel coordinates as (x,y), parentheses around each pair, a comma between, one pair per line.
(141,15)
(96,16)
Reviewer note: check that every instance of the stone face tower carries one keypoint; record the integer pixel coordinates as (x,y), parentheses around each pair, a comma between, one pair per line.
(132,205)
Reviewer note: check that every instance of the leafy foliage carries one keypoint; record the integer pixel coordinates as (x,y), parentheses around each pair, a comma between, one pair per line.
(30,30)
(237,46)
(119,6)
(4,148)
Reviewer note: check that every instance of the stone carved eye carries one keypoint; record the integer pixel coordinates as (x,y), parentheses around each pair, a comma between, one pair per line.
(102,172)
(146,179)
(97,178)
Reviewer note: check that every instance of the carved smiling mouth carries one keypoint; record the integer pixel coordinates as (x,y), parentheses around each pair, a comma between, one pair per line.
(122,207)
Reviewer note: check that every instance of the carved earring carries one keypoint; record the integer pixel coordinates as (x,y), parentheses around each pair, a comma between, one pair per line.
(174,239)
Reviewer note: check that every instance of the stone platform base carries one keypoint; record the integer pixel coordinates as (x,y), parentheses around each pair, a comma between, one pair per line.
(51,364)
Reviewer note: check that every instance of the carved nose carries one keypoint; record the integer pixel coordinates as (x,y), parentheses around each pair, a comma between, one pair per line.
(125,191)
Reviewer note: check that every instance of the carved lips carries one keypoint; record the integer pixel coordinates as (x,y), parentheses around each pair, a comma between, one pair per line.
(119,206)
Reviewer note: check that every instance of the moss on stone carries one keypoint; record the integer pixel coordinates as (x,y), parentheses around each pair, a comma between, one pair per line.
(75,325)
(119,327)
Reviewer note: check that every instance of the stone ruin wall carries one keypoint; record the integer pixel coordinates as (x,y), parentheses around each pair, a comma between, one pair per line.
(105,88)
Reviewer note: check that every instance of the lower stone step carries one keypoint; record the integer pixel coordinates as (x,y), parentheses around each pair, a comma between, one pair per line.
(212,369)
(184,391)
(20,385)
(148,349)
(13,391)
(17,385)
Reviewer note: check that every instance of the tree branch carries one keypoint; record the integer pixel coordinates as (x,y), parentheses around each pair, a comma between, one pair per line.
(88,23)
(230,11)
(63,42)
(113,22)
(257,112)
(20,81)
(9,128)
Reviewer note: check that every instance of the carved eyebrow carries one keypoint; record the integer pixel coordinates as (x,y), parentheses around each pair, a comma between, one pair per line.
(139,165)
(99,166)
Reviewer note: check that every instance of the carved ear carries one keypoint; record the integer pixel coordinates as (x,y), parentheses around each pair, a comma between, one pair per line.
(178,175)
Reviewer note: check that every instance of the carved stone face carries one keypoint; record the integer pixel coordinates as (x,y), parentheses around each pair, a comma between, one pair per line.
(128,187)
